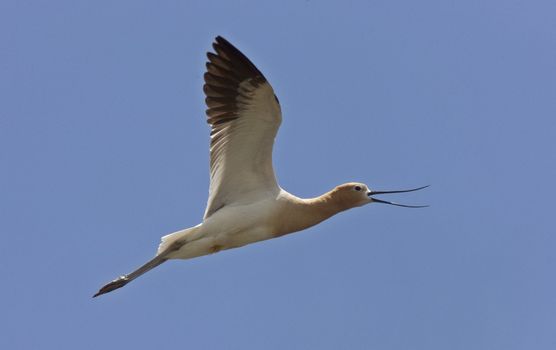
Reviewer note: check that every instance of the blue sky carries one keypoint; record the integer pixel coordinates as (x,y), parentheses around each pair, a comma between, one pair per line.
(104,148)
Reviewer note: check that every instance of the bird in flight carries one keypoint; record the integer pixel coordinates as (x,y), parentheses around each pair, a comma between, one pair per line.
(245,203)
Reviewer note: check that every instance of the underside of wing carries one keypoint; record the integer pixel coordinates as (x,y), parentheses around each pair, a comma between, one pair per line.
(244,115)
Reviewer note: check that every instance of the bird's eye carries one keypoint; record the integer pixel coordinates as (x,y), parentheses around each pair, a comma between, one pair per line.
(357,188)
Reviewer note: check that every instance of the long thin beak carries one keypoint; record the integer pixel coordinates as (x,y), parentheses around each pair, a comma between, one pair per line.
(371,193)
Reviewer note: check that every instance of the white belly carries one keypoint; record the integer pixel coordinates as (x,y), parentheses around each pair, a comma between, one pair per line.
(230,227)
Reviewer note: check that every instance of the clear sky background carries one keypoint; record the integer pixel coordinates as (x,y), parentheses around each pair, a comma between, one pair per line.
(104,148)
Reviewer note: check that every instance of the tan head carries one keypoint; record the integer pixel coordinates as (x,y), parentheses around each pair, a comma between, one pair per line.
(303,213)
(351,195)
(356,194)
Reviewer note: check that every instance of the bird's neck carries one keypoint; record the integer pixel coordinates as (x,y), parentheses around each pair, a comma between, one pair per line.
(301,213)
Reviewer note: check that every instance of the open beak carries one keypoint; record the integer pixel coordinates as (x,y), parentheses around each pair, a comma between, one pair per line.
(371,193)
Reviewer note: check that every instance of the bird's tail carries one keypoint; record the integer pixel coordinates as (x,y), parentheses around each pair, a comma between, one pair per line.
(183,235)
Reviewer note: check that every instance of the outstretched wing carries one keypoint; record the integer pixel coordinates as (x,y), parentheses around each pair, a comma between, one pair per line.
(245,116)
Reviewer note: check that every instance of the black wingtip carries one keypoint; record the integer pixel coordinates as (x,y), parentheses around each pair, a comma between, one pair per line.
(220,39)
(237,58)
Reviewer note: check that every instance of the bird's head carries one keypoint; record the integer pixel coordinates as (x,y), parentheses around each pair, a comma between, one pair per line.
(356,194)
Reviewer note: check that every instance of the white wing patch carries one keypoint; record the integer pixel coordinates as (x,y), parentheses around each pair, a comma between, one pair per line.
(245,116)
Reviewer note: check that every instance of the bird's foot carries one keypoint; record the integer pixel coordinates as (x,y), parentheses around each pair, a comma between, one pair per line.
(115,284)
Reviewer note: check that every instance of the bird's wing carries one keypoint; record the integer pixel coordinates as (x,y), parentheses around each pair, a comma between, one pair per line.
(244,115)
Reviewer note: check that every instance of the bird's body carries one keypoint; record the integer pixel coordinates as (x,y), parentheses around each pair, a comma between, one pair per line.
(245,204)
(239,224)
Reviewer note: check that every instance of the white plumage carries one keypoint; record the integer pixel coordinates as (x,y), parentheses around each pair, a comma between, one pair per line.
(245,203)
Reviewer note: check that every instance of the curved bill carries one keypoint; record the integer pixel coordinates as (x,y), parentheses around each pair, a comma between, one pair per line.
(370,193)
